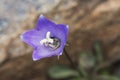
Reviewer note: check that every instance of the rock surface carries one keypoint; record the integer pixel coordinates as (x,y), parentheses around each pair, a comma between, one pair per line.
(89,21)
(15,17)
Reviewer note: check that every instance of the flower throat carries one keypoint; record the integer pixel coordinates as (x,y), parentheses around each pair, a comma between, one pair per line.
(51,42)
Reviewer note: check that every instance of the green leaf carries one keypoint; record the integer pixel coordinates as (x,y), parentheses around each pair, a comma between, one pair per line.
(79,78)
(60,72)
(106,77)
(86,62)
(99,52)
(105,71)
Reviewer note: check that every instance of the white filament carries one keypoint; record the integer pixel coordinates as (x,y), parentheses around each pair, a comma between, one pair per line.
(47,39)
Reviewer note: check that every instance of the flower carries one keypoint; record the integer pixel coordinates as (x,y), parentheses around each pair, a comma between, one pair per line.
(48,39)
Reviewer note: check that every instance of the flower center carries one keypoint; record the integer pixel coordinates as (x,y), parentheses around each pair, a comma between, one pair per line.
(51,42)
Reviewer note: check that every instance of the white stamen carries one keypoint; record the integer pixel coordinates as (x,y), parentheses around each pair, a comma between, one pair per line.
(47,39)
(48,35)
(43,41)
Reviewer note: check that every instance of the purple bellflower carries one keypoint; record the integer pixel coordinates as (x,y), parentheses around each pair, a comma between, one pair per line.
(48,39)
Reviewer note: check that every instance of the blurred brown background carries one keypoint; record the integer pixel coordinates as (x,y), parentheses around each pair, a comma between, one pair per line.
(89,21)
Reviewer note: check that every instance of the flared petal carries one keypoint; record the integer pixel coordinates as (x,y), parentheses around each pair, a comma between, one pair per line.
(61,32)
(32,37)
(64,28)
(44,22)
(42,52)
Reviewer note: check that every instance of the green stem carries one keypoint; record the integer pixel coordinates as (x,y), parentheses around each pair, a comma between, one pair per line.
(72,63)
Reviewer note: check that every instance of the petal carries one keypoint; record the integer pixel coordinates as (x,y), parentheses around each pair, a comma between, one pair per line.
(32,37)
(42,52)
(44,22)
(64,28)
(61,32)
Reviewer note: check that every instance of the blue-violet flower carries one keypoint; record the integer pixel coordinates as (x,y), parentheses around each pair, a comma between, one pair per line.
(48,39)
